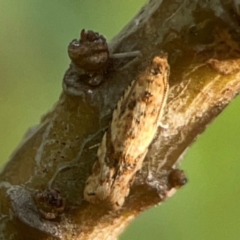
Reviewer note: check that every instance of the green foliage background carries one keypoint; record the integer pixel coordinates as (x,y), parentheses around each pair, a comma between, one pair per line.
(34,35)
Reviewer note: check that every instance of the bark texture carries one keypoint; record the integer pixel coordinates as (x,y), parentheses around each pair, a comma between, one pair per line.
(202,41)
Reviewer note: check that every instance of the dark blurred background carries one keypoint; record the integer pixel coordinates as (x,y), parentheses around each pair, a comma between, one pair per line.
(34,36)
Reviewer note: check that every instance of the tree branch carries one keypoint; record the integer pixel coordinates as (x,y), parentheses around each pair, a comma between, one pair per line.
(55,158)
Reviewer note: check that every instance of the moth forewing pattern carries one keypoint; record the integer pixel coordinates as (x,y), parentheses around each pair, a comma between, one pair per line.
(125,144)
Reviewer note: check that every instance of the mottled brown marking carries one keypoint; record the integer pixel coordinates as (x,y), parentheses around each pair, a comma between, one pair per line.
(133,127)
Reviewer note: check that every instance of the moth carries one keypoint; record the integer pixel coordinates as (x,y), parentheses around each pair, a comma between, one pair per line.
(125,144)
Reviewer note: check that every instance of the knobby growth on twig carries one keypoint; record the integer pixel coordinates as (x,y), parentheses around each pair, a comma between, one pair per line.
(42,184)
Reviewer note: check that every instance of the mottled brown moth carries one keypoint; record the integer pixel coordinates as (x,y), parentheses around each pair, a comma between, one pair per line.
(125,144)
